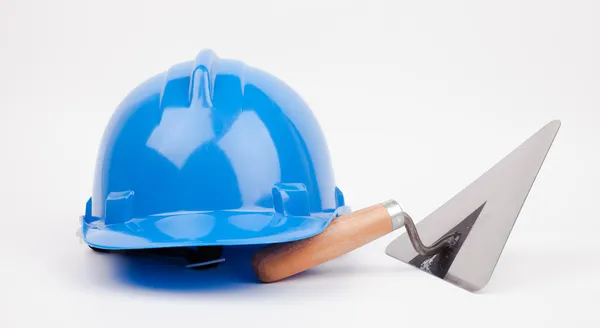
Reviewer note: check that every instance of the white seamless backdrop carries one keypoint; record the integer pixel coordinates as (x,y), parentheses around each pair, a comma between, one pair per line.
(416,98)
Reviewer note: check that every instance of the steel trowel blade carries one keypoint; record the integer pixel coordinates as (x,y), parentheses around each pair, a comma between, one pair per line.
(483,215)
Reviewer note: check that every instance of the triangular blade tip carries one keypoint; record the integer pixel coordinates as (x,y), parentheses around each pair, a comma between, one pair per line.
(533,152)
(556,124)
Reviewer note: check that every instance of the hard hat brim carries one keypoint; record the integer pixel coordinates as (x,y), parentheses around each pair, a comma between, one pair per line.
(209,228)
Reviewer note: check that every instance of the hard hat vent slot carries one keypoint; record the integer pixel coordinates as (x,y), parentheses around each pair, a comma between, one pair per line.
(119,206)
(339,198)
(88,208)
(291,199)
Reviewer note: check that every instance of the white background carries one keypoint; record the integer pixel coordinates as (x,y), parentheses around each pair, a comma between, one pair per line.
(416,98)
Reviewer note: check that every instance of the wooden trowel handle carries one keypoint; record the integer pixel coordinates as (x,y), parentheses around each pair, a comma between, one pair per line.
(344,234)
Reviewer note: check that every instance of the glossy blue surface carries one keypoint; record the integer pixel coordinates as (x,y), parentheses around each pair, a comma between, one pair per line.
(210,152)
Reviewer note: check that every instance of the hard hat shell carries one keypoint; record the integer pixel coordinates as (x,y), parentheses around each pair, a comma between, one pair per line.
(210,152)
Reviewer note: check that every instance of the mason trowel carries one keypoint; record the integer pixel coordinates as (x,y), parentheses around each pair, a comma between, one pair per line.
(460,242)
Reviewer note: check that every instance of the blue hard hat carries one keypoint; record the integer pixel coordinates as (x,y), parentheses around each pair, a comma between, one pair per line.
(211,152)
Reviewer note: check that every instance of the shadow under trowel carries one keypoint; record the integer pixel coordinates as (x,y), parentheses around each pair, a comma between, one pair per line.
(157,273)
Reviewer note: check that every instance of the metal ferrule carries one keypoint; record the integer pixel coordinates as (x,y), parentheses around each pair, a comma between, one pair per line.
(396,213)
(400,219)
